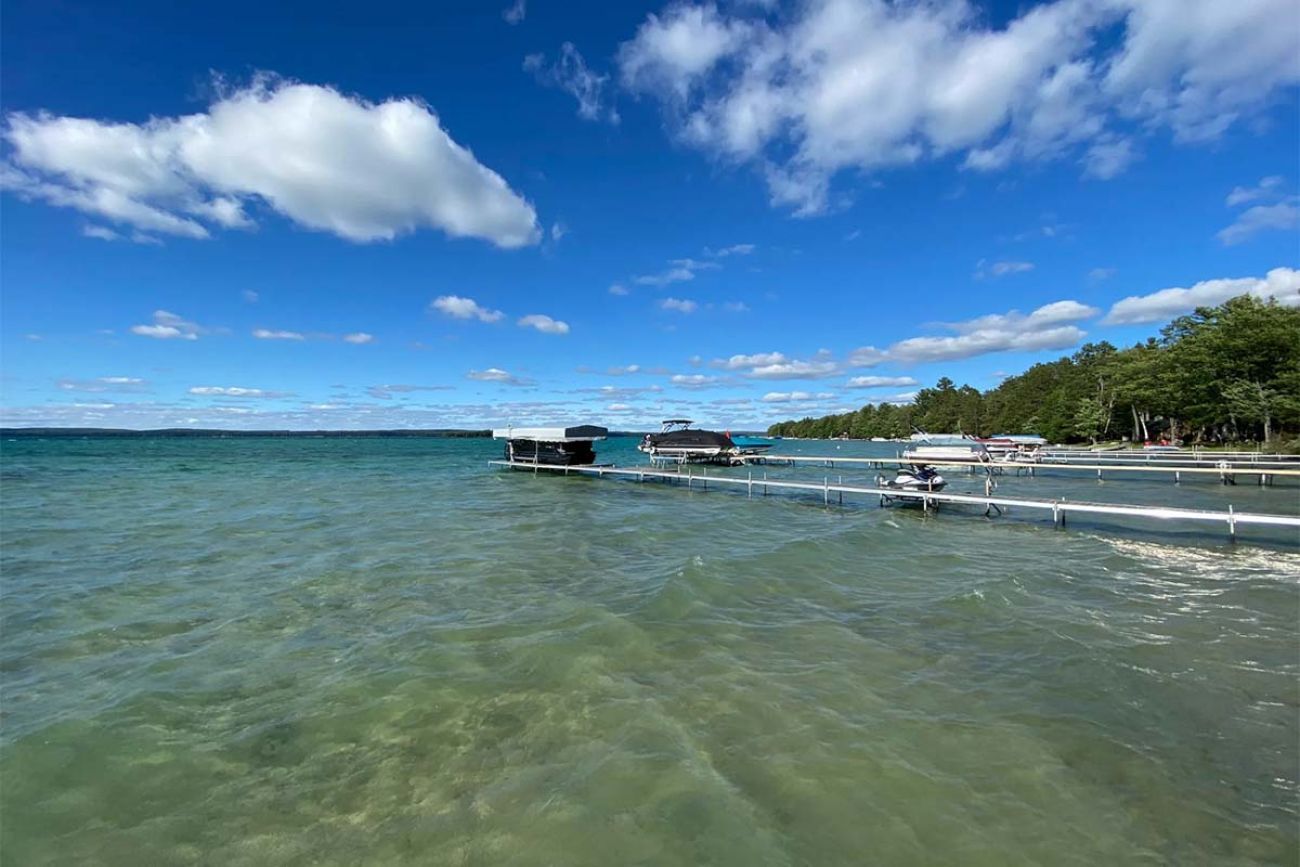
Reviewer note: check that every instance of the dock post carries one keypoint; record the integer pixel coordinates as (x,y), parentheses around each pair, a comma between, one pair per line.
(841,484)
(750,487)
(1178,477)
(765,483)
(1098,473)
(1232,525)
(826,490)
(1056,514)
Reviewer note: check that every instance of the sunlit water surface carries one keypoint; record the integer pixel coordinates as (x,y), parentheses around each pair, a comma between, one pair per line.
(346,651)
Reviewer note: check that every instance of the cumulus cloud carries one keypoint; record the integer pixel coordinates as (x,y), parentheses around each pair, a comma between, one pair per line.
(617,289)
(324,160)
(358,337)
(795,396)
(1282,284)
(544,324)
(236,391)
(103,233)
(681,305)
(168,326)
(880,381)
(570,74)
(863,85)
(794,370)
(743,362)
(272,334)
(496,374)
(1043,329)
(464,308)
(693,380)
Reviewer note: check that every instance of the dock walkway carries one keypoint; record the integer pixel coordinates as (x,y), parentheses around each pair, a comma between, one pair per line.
(1059,509)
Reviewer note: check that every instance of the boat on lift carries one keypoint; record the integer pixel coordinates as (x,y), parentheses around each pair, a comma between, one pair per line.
(551,446)
(679,442)
(970,452)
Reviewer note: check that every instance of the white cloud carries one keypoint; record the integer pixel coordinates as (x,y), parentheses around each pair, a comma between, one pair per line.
(105,383)
(742,362)
(496,374)
(270,334)
(558,231)
(386,392)
(465,308)
(794,370)
(663,278)
(681,305)
(1266,189)
(544,324)
(863,85)
(571,74)
(326,161)
(515,12)
(1280,283)
(620,407)
(358,337)
(880,381)
(236,391)
(168,326)
(103,233)
(1001,269)
(623,370)
(250,297)
(1099,274)
(1283,215)
(1043,329)
(866,356)
(735,250)
(795,396)
(693,380)
(736,307)
(617,289)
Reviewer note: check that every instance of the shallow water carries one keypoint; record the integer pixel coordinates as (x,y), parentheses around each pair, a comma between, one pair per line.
(381,651)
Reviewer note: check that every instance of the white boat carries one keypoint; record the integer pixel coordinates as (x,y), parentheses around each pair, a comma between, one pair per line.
(971,452)
(939,439)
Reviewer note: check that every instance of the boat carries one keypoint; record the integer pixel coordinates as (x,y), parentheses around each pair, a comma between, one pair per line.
(551,446)
(678,441)
(970,453)
(939,439)
(918,477)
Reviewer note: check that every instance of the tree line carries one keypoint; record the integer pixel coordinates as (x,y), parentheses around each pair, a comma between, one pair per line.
(1220,374)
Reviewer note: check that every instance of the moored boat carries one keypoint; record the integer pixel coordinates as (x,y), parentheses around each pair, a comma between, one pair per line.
(678,441)
(551,446)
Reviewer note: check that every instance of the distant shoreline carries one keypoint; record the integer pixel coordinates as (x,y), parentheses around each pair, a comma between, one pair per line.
(215,433)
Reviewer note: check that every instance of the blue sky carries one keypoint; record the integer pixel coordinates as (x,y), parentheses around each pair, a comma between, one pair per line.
(463,214)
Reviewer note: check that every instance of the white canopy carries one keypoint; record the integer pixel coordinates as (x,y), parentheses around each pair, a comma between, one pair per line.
(552,434)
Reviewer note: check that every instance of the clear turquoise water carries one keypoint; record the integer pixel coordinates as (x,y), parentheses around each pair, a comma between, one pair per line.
(382,652)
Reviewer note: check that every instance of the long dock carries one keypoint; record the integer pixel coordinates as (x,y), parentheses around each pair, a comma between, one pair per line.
(1059,509)
(1226,472)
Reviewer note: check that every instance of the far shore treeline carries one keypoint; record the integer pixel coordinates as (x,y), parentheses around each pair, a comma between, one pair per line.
(1221,374)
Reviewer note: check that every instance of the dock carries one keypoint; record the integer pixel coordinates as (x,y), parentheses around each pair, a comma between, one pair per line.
(1058,509)
(1225,471)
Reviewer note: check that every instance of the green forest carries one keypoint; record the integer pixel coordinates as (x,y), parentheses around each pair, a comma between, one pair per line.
(1219,375)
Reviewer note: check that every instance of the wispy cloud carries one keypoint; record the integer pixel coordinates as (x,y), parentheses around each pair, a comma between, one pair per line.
(571,74)
(1282,215)
(358,337)
(1001,269)
(1267,188)
(105,384)
(275,334)
(236,391)
(386,392)
(515,12)
(880,381)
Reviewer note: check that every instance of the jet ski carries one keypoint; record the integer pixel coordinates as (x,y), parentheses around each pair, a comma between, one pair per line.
(917,477)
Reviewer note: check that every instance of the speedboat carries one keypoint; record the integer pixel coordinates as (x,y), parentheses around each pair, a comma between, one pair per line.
(917,477)
(678,441)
